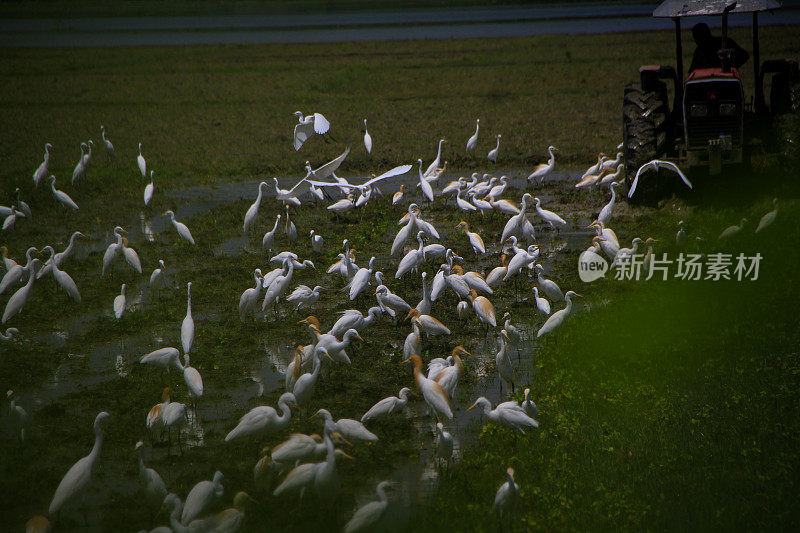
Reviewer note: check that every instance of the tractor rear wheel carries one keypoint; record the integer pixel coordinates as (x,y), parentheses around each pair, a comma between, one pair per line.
(645,128)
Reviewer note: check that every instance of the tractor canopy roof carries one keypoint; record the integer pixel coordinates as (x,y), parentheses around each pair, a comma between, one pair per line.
(705,8)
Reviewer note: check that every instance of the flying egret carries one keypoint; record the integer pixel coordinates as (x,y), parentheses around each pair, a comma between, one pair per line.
(558,317)
(308,126)
(434,395)
(180,227)
(506,497)
(18,299)
(187,326)
(203,496)
(367,517)
(544,169)
(152,484)
(77,478)
(657,165)
(43,169)
(80,167)
(119,303)
(513,417)
(492,155)
(387,406)
(264,419)
(436,164)
(473,141)
(141,162)
(62,197)
(730,231)
(106,142)
(367,138)
(769,218)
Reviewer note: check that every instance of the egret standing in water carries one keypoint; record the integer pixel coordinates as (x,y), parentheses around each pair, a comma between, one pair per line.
(180,227)
(187,327)
(557,318)
(369,516)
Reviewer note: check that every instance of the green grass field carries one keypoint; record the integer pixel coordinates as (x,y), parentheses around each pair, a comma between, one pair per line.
(663,405)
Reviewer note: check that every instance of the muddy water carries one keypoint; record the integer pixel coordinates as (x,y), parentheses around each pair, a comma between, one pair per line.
(110,361)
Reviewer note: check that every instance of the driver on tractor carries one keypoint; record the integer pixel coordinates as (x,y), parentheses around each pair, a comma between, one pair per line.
(707,53)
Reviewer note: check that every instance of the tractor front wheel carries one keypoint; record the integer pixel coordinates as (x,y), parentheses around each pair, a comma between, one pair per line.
(645,129)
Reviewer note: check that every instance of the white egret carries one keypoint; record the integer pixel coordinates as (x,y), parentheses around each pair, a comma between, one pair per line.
(264,419)
(202,498)
(9,334)
(16,272)
(152,484)
(542,305)
(43,169)
(360,279)
(503,362)
(514,337)
(428,324)
(449,376)
(289,228)
(163,358)
(113,250)
(680,237)
(593,179)
(317,242)
(767,220)
(252,212)
(279,286)
(629,252)
(352,430)
(367,138)
(80,167)
(298,448)
(520,260)
(62,197)
(411,345)
(26,209)
(334,347)
(19,298)
(106,142)
(353,319)
(483,309)
(730,231)
(606,238)
(180,227)
(60,257)
(436,164)
(463,204)
(157,278)
(192,378)
(492,155)
(413,259)
(548,216)
(473,141)
(18,415)
(513,417)
(558,317)
(529,406)
(174,416)
(77,478)
(389,302)
(268,241)
(497,190)
(119,303)
(187,326)
(427,190)
(506,497)
(131,257)
(434,395)
(443,443)
(155,417)
(368,517)
(544,169)
(516,223)
(387,406)
(496,275)
(227,520)
(308,126)
(63,279)
(605,214)
(304,296)
(549,287)
(424,305)
(141,162)
(657,165)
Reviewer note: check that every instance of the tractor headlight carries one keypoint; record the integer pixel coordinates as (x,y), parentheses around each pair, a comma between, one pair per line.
(727,110)
(698,110)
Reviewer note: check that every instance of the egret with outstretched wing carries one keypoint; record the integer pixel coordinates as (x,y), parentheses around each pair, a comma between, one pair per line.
(307,126)
(656,165)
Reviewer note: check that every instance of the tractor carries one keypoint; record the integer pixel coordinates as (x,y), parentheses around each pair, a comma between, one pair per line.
(710,125)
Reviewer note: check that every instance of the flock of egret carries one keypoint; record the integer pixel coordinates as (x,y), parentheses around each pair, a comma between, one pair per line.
(305,464)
